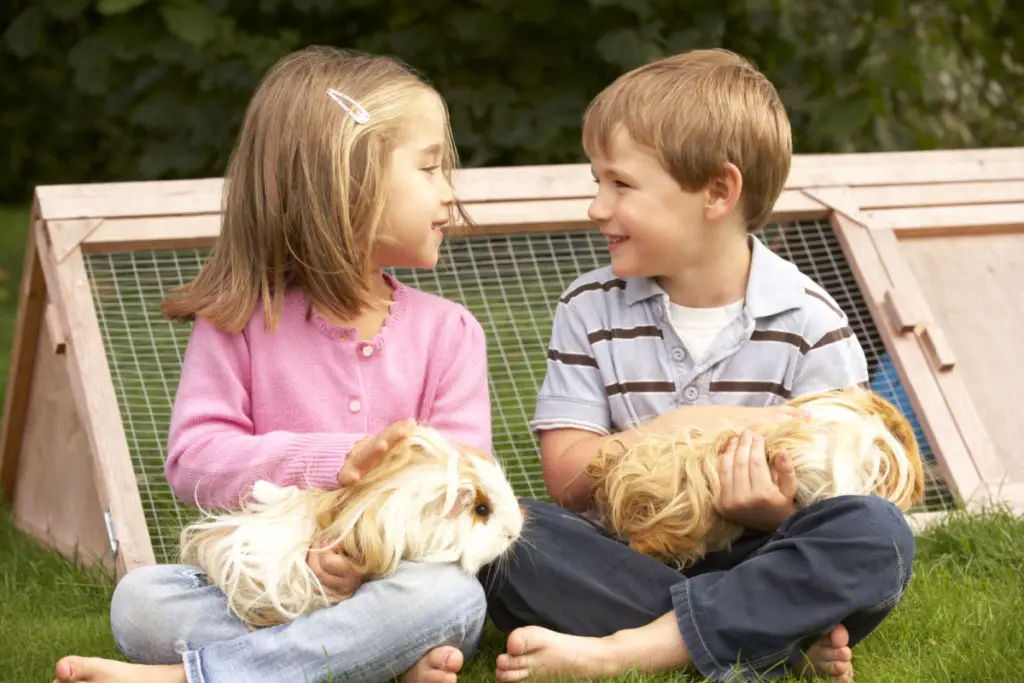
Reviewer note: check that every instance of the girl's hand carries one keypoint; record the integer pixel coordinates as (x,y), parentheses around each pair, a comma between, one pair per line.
(333,570)
(755,494)
(366,454)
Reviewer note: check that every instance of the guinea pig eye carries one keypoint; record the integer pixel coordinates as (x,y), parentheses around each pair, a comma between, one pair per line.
(482,510)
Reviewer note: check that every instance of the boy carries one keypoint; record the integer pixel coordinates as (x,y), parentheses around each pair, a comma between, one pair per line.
(693,322)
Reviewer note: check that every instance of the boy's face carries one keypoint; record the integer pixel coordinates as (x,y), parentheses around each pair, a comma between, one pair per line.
(654,228)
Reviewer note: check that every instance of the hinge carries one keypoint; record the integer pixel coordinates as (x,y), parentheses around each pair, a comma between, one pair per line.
(111,535)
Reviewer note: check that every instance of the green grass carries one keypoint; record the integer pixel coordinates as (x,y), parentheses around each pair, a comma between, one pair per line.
(962,619)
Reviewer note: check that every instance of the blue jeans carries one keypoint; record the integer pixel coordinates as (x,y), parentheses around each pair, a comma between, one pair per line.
(743,614)
(168,614)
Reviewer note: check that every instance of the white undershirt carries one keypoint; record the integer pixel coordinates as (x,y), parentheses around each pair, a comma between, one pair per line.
(699,327)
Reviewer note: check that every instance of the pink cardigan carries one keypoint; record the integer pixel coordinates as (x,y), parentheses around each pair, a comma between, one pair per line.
(288,406)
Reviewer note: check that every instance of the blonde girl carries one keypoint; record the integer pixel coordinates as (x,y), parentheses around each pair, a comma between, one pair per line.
(305,362)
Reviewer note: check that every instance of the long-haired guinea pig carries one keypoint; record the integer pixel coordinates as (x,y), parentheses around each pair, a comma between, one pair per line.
(427,501)
(660,495)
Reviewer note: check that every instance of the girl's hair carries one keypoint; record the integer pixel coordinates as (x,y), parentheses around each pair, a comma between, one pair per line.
(305,188)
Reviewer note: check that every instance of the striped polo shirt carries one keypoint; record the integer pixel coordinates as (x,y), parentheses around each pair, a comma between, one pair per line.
(615,360)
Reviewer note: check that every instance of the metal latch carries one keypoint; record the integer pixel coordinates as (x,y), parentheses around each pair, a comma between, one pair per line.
(109,520)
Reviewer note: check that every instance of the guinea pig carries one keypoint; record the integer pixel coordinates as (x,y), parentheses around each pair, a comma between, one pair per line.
(661,494)
(426,501)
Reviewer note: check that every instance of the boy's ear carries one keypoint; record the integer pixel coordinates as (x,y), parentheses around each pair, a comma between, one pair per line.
(724,191)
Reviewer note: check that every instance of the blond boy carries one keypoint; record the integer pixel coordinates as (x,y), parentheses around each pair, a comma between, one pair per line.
(694,321)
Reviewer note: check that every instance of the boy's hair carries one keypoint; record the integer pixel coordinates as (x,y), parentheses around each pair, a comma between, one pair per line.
(697,111)
(305,186)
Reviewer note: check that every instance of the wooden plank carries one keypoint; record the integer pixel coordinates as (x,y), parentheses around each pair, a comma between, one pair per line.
(903,286)
(74,234)
(200,230)
(93,389)
(563,181)
(973,285)
(838,199)
(794,205)
(31,304)
(58,338)
(939,351)
(926,396)
(940,361)
(949,219)
(56,499)
(203,196)
(513,182)
(913,157)
(871,197)
(185,197)
(959,408)
(1012,495)
(899,312)
(149,198)
(805,175)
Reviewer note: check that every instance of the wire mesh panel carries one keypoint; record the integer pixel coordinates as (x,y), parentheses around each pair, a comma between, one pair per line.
(510,282)
(814,248)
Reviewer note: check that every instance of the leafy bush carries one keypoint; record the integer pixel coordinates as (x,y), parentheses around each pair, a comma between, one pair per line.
(125,89)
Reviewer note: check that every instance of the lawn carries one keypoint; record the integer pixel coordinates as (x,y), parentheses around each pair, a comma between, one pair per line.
(962,619)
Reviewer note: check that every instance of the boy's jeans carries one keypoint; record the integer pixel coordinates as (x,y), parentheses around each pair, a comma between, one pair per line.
(167,614)
(744,613)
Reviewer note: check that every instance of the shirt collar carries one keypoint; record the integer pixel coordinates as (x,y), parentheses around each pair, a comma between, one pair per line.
(773,286)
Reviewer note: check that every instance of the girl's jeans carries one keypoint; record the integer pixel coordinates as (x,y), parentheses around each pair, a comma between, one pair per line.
(168,614)
(745,614)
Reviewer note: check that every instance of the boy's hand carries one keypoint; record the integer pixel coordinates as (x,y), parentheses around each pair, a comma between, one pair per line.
(333,570)
(368,453)
(755,494)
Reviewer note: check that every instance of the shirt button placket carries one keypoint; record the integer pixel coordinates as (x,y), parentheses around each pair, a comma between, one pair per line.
(366,350)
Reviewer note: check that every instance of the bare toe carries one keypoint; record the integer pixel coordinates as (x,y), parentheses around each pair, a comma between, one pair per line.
(839,637)
(440,665)
(540,654)
(518,642)
(830,657)
(97,670)
(67,668)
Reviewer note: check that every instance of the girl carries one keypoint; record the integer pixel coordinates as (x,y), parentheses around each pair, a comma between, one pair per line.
(305,363)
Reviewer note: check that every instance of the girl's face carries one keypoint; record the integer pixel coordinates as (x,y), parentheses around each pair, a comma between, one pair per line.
(418,193)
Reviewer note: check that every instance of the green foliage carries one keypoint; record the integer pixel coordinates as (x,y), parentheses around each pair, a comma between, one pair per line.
(119,89)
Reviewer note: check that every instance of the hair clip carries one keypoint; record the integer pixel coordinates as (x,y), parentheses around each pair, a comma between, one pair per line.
(353,108)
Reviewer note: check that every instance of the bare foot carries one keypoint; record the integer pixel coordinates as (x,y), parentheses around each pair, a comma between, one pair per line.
(539,654)
(440,665)
(830,657)
(95,670)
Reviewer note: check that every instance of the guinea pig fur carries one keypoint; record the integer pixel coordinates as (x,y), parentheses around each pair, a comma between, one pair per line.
(427,501)
(660,495)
